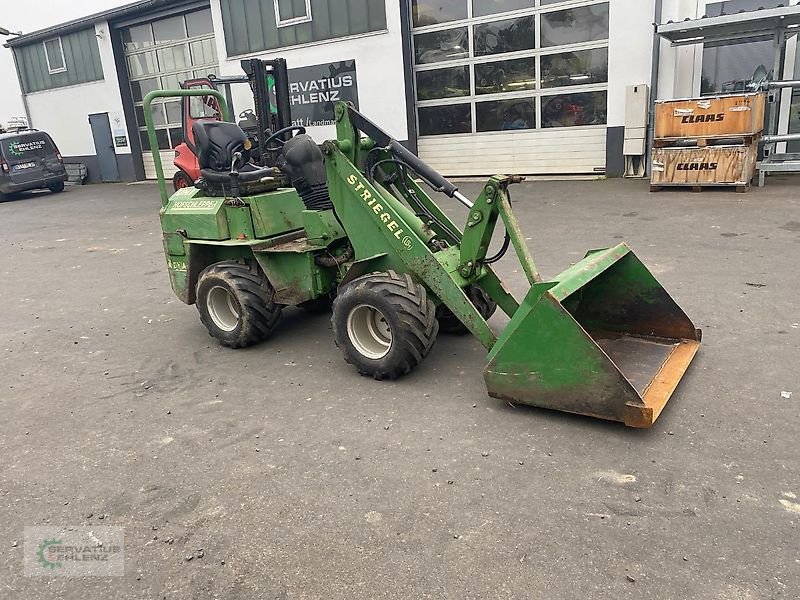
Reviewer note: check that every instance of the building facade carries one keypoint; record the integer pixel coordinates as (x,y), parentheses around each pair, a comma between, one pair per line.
(474,86)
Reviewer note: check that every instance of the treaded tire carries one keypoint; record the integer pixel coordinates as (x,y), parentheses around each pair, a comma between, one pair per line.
(56,188)
(181,180)
(449,323)
(408,314)
(254,314)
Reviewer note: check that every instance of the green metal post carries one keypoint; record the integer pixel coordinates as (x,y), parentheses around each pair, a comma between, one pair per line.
(151,130)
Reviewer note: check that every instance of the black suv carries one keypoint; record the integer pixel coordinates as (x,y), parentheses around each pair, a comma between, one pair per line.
(30,160)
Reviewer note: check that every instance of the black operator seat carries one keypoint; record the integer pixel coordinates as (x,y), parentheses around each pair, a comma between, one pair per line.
(217,142)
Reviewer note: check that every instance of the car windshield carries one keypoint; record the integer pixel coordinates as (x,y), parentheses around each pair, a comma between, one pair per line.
(26,146)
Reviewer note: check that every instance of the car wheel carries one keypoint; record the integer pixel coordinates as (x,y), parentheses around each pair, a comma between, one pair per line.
(56,187)
(181,180)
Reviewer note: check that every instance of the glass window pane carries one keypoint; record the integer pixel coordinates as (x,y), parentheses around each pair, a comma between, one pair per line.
(163,139)
(141,88)
(204,52)
(139,110)
(510,35)
(174,112)
(169,30)
(173,82)
(481,8)
(505,76)
(728,68)
(431,12)
(142,64)
(145,141)
(136,38)
(575,68)
(438,120)
(438,46)
(291,9)
(443,83)
(731,7)
(199,23)
(575,25)
(506,115)
(174,58)
(54,58)
(200,107)
(570,110)
(175,136)
(159,116)
(207,72)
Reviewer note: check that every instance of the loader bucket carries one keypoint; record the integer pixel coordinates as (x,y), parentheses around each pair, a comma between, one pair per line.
(602,339)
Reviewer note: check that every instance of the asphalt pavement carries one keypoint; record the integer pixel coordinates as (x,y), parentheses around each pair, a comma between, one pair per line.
(278,472)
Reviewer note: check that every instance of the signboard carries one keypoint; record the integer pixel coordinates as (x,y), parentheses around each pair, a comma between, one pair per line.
(118,129)
(313,91)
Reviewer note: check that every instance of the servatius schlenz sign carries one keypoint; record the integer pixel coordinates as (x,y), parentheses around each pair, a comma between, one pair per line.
(314,90)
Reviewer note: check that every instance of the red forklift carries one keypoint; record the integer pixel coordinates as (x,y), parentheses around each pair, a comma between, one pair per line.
(269,83)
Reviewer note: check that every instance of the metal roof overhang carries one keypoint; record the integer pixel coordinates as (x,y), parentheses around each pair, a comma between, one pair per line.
(142,8)
(758,23)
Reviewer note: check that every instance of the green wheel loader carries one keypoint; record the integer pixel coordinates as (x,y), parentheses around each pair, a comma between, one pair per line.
(347,224)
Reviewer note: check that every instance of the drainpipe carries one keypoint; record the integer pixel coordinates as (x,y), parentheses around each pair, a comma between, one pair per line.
(651,119)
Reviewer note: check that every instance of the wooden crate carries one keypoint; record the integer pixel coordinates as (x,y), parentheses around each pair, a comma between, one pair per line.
(699,167)
(713,116)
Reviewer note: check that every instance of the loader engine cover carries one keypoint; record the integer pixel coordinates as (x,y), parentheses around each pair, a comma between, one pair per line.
(304,164)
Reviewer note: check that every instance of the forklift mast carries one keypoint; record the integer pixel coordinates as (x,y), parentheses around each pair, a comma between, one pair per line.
(264,75)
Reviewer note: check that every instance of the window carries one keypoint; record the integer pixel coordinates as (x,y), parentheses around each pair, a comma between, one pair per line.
(161,55)
(512,35)
(728,67)
(509,65)
(575,25)
(438,46)
(292,12)
(481,8)
(437,120)
(433,12)
(54,52)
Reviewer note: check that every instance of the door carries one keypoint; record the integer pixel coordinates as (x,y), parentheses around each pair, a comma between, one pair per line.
(104,147)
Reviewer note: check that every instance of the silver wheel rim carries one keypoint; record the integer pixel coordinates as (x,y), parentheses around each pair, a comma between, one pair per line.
(223,308)
(369,331)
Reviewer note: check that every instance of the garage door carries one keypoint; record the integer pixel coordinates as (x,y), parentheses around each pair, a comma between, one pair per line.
(161,54)
(505,86)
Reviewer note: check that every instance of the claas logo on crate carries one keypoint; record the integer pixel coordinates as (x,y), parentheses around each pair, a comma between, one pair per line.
(697,166)
(710,118)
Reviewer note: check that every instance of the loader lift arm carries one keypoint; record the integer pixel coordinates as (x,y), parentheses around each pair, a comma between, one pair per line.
(603,338)
(494,202)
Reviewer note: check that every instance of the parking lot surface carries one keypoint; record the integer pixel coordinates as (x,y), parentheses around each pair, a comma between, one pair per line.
(278,472)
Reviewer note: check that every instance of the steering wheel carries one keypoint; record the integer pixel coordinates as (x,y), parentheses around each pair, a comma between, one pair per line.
(245,114)
(276,137)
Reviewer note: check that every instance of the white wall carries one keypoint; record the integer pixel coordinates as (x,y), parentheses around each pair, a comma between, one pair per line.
(379,67)
(11,99)
(63,112)
(679,67)
(630,52)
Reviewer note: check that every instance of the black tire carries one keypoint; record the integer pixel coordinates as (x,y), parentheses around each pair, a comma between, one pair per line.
(181,180)
(403,327)
(57,187)
(236,303)
(449,323)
